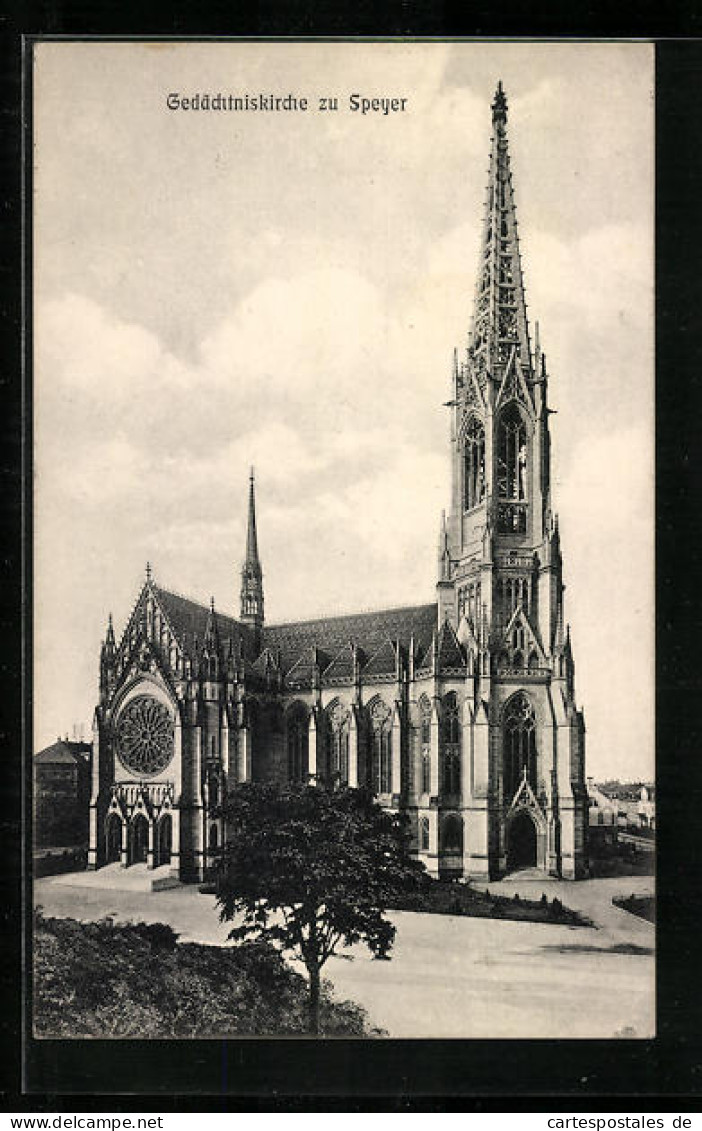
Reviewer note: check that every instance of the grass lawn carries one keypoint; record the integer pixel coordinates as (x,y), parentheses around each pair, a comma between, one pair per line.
(137,981)
(627,862)
(642,905)
(446,897)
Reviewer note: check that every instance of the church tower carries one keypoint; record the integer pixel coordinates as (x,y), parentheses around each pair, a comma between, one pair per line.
(500,581)
(251,572)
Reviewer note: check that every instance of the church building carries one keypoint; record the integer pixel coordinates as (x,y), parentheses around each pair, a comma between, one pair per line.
(460,712)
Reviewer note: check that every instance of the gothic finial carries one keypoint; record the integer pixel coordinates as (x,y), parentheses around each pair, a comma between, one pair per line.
(148,571)
(212,608)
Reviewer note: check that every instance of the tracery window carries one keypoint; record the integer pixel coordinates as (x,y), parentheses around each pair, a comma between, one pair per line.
(298,744)
(144,736)
(450,744)
(512,455)
(469,602)
(337,745)
(519,744)
(381,748)
(473,464)
(423,834)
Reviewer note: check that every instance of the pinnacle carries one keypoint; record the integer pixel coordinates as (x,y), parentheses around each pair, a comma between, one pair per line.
(499,104)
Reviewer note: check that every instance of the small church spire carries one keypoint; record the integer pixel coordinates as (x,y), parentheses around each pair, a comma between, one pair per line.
(251,573)
(251,539)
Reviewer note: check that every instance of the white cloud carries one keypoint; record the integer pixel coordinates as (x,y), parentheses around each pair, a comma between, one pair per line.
(221,292)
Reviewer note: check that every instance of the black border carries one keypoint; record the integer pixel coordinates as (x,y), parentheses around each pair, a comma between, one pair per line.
(394,1075)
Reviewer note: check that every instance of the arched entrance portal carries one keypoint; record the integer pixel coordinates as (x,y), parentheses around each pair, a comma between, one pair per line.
(165,840)
(113,838)
(139,840)
(521,843)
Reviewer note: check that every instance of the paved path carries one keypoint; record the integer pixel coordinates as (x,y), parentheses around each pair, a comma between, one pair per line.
(451,976)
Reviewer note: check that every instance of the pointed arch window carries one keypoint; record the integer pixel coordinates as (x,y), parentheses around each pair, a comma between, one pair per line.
(473,464)
(512,455)
(450,744)
(425,744)
(381,748)
(298,744)
(423,834)
(519,744)
(337,754)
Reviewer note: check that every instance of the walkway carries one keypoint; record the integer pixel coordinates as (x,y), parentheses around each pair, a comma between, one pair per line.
(453,976)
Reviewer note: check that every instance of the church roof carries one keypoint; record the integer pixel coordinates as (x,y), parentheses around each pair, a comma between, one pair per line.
(189,617)
(370,630)
(342,666)
(374,632)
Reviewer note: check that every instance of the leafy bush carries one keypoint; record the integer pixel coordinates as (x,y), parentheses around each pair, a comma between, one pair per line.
(136,980)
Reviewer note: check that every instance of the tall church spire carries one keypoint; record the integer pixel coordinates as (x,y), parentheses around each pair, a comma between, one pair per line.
(499,328)
(251,573)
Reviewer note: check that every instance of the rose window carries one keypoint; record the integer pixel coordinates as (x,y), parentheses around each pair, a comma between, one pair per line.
(145,736)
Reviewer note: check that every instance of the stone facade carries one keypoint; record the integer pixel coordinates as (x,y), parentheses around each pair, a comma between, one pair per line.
(461,712)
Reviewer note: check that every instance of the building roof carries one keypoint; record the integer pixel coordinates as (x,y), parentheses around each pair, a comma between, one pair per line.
(293,644)
(63,751)
(371,631)
(189,618)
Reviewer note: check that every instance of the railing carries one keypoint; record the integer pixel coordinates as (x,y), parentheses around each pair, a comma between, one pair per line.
(522,672)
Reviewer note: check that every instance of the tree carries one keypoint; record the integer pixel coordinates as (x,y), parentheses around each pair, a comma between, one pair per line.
(312,869)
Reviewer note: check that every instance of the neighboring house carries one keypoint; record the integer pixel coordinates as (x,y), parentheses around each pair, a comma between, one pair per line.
(603,817)
(636,802)
(62,794)
(647,807)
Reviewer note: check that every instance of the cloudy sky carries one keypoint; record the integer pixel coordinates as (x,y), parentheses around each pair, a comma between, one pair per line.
(286,290)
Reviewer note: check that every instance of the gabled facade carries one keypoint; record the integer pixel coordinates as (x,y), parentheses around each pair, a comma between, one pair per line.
(61,791)
(460,712)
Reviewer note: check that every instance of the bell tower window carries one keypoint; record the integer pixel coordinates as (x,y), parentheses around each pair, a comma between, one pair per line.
(512,471)
(474,465)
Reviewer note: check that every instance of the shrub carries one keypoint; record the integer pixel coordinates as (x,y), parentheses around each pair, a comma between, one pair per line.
(136,980)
